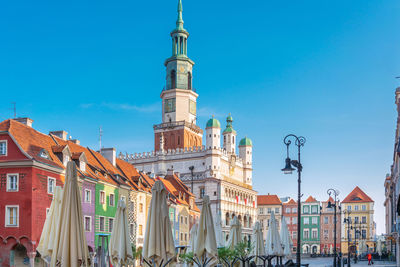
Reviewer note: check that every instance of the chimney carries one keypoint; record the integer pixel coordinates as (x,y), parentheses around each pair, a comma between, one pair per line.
(26,121)
(60,134)
(110,154)
(170,172)
(76,141)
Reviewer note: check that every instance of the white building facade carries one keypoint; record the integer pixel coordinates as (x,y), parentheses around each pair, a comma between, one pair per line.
(214,169)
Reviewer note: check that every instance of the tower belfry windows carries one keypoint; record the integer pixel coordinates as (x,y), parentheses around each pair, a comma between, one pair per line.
(173,79)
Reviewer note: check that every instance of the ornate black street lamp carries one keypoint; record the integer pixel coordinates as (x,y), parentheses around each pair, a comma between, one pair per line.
(347,220)
(299,142)
(335,193)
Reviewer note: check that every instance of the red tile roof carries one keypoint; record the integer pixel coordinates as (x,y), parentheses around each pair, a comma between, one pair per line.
(311,199)
(290,202)
(31,141)
(357,196)
(268,200)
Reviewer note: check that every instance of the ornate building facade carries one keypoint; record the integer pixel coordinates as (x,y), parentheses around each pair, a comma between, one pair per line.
(211,169)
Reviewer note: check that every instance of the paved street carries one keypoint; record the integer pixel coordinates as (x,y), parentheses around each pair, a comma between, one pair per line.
(325,262)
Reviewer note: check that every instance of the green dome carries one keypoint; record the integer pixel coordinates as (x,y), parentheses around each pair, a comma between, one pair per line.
(246,142)
(213,123)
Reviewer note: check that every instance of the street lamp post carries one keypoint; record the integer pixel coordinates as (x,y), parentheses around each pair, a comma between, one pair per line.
(334,192)
(348,221)
(299,142)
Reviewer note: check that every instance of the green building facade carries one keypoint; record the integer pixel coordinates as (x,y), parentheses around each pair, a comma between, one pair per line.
(107,196)
(310,226)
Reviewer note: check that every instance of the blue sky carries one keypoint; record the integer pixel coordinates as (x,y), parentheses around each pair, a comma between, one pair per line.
(321,69)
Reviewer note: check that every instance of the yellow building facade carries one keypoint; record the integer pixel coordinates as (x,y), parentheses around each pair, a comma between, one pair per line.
(357,221)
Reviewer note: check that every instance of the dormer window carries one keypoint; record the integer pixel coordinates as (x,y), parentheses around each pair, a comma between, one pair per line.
(44,154)
(3,147)
(82,166)
(66,159)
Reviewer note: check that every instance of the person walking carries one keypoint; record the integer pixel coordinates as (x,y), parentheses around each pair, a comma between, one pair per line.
(369,257)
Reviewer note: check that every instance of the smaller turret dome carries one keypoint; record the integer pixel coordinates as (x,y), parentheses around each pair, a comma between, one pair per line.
(246,142)
(213,122)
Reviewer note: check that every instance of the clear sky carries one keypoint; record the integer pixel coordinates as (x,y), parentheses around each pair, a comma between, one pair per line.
(322,69)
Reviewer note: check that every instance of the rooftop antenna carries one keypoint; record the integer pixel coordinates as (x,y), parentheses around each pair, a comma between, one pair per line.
(14,108)
(100,135)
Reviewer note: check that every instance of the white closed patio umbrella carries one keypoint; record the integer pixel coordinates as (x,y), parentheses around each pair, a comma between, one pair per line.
(379,247)
(285,239)
(331,249)
(70,248)
(218,231)
(206,244)
(235,233)
(120,247)
(257,248)
(158,244)
(192,238)
(47,238)
(273,245)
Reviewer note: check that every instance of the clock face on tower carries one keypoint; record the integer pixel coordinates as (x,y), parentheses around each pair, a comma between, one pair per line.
(181,69)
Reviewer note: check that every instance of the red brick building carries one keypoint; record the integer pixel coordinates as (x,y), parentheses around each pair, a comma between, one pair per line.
(29,171)
(289,212)
(327,227)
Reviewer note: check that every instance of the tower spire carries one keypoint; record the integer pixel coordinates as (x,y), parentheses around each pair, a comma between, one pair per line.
(179,20)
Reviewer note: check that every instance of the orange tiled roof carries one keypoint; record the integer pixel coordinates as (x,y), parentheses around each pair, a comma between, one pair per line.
(330,199)
(268,200)
(356,196)
(31,141)
(291,201)
(311,199)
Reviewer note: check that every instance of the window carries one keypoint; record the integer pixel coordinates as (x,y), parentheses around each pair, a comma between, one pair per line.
(47,211)
(186,220)
(82,166)
(314,209)
(12,214)
(294,220)
(261,211)
(51,183)
(287,210)
(3,148)
(12,182)
(88,223)
(185,237)
(363,233)
(131,229)
(363,219)
(349,208)
(326,220)
(326,233)
(102,224)
(314,233)
(287,220)
(123,198)
(269,210)
(181,236)
(140,229)
(306,209)
(364,207)
(314,220)
(306,220)
(43,154)
(277,210)
(294,234)
(355,219)
(88,196)
(140,207)
(306,234)
(189,81)
(169,105)
(202,192)
(110,224)
(294,210)
(173,79)
(356,207)
(102,197)
(111,200)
